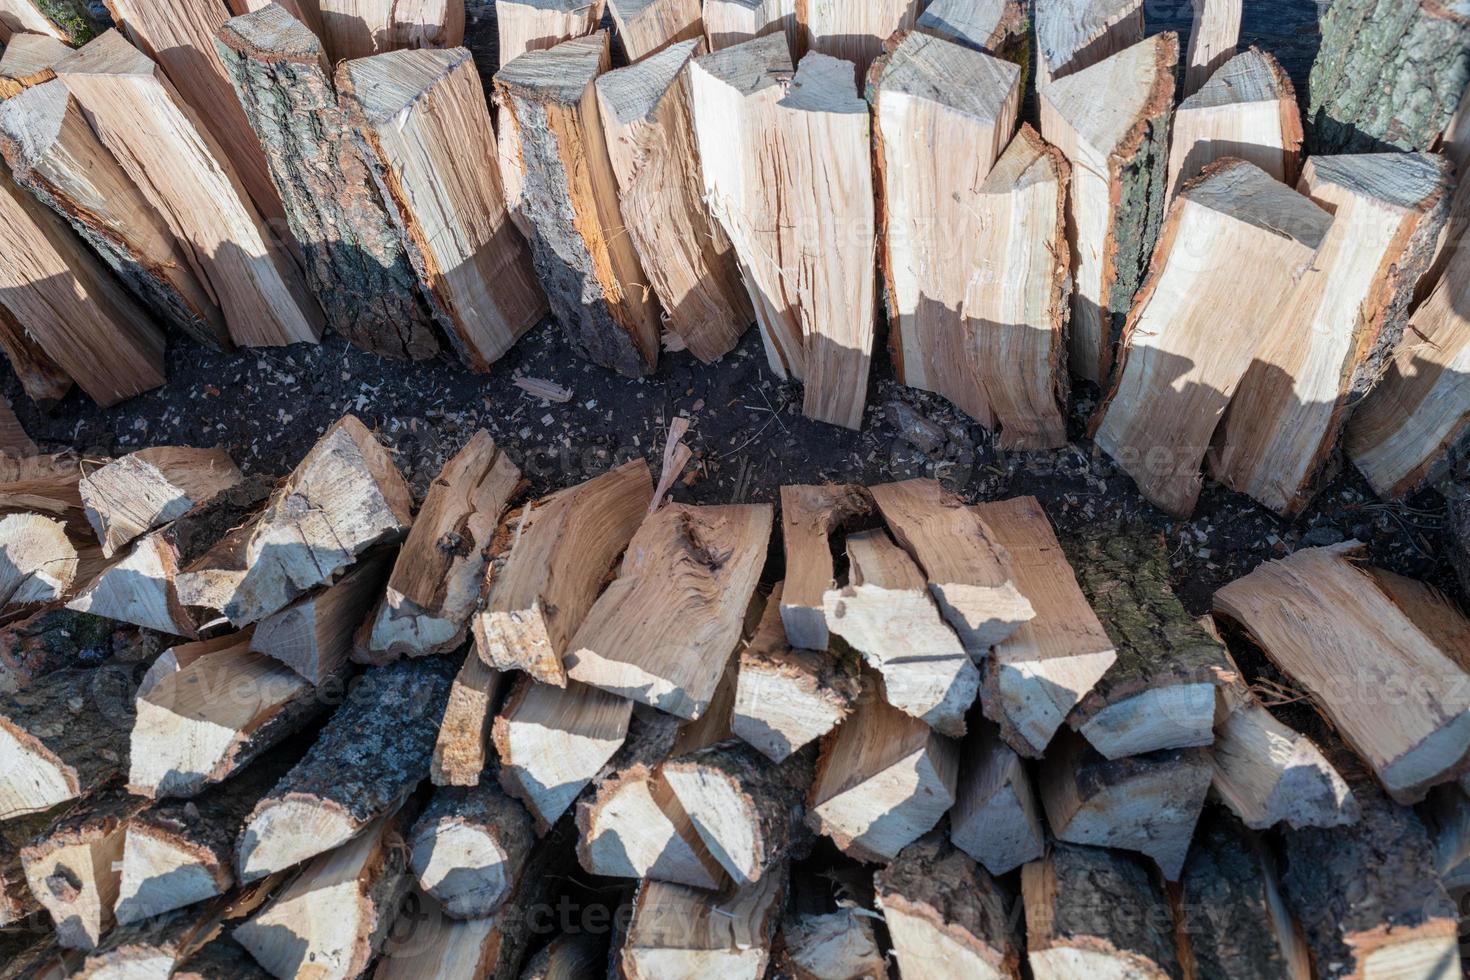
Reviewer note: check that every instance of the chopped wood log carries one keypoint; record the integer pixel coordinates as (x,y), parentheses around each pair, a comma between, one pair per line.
(958,554)
(1146,803)
(468,847)
(1074,35)
(1388,210)
(552,741)
(13,439)
(1036,676)
(568,956)
(370,756)
(731,22)
(809,517)
(1111,122)
(313,636)
(1344,633)
(16,900)
(665,630)
(1247,109)
(883,781)
(1213,38)
(689,262)
(354,29)
(1232,911)
(824,936)
(887,614)
(243,262)
(147,489)
(74,868)
(1446,816)
(785,699)
(42,484)
(219,709)
(435,584)
(41,378)
(1000,27)
(678,931)
(38,562)
(355,261)
(53,639)
(333,918)
(594,280)
(1095,912)
(1180,363)
(995,818)
(853,32)
(410,107)
(28,59)
(1160,692)
(463,747)
(646,27)
(345,497)
(307,11)
(1386,77)
(19,18)
(535,25)
(947,917)
(52,152)
(62,739)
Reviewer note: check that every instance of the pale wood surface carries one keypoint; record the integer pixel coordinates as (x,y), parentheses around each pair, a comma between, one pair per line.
(468,847)
(21,17)
(28,59)
(535,25)
(313,636)
(646,27)
(995,818)
(361,28)
(151,487)
(1212,40)
(731,22)
(38,563)
(463,747)
(677,931)
(809,517)
(1073,35)
(997,26)
(853,32)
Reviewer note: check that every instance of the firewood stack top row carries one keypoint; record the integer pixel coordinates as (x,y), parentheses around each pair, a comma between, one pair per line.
(313,728)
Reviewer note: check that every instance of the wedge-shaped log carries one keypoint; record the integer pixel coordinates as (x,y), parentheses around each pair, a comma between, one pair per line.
(883,781)
(190,180)
(1213,38)
(1001,27)
(1035,677)
(853,32)
(1111,122)
(52,152)
(1074,35)
(1094,912)
(468,847)
(887,614)
(1146,803)
(16,900)
(646,27)
(947,917)
(960,557)
(355,261)
(42,484)
(596,285)
(562,549)
(353,29)
(333,918)
(1346,633)
(809,517)
(370,756)
(41,378)
(995,818)
(149,488)
(38,562)
(28,59)
(463,747)
(731,22)
(313,636)
(678,931)
(1182,360)
(689,262)
(1338,325)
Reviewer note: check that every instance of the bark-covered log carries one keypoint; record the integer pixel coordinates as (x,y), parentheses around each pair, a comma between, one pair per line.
(55,639)
(468,848)
(41,378)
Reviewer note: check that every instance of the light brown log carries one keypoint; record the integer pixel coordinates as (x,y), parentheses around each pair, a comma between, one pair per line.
(307,12)
(463,747)
(561,552)
(149,488)
(353,29)
(646,27)
(535,25)
(411,107)
(690,263)
(21,17)
(313,636)
(1212,40)
(678,931)
(1074,35)
(731,22)
(28,59)
(38,563)
(41,378)
(44,484)
(1001,27)
(809,517)
(828,942)
(995,818)
(468,848)
(853,32)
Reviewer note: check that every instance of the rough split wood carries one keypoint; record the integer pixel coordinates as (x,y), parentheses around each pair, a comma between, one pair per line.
(995,818)
(1212,40)
(809,517)
(646,27)
(361,28)
(314,636)
(1001,27)
(1074,35)
(853,32)
(681,931)
(468,848)
(731,22)
(38,563)
(149,488)
(535,25)
(463,748)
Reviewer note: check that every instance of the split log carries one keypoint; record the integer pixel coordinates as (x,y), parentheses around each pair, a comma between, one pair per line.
(883,781)
(313,636)
(1349,635)
(552,741)
(995,818)
(947,917)
(252,273)
(345,497)
(678,931)
(825,935)
(307,11)
(28,59)
(42,484)
(650,140)
(74,868)
(1074,35)
(731,22)
(568,956)
(535,25)
(1094,912)
(563,548)
(1213,38)
(462,750)
(1160,693)
(147,489)
(853,32)
(646,27)
(809,517)
(1386,77)
(1181,363)
(370,756)
(220,959)
(594,281)
(1111,122)
(355,261)
(468,848)
(435,584)
(888,616)
(785,699)
(664,631)
(13,439)
(52,152)
(1338,326)
(216,708)
(1146,803)
(958,554)
(410,107)
(1036,676)
(999,27)
(38,562)
(1232,912)
(41,378)
(332,919)
(45,960)
(354,29)
(19,18)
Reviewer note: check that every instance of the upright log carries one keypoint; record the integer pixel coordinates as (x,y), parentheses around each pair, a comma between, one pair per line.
(535,25)
(1000,27)
(809,517)
(853,32)
(678,931)
(1213,37)
(1074,35)
(21,17)
(353,29)
(731,22)
(646,27)
(41,378)
(995,818)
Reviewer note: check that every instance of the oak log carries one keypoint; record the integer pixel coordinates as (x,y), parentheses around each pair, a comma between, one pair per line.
(810,515)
